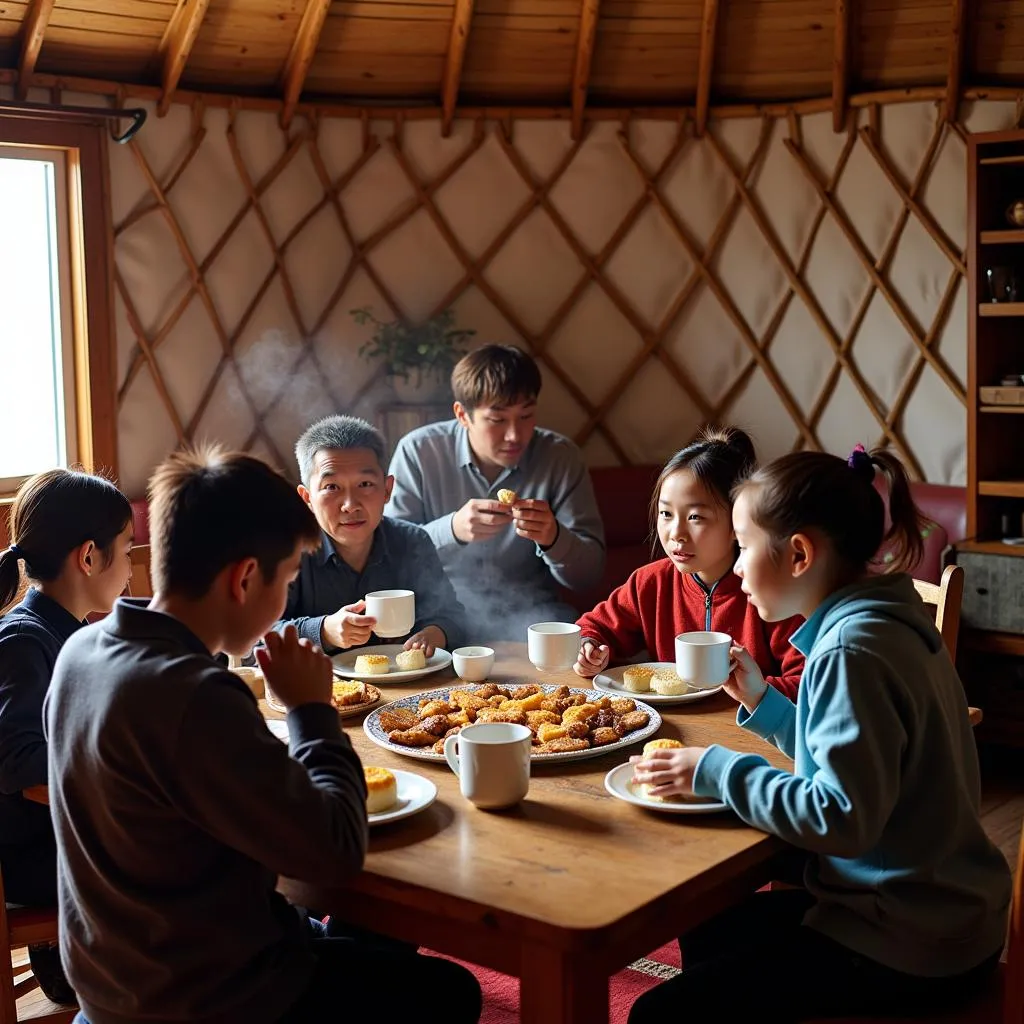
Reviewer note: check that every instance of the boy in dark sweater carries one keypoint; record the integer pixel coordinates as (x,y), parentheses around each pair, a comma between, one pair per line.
(175,809)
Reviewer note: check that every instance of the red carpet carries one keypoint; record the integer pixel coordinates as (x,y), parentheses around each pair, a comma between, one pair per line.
(501,991)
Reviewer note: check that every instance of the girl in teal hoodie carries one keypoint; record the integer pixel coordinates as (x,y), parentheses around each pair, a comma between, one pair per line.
(905,902)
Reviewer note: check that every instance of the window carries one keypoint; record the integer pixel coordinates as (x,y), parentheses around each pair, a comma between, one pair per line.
(37,414)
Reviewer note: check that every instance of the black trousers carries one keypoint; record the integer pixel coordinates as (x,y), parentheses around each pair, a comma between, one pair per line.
(757,961)
(30,873)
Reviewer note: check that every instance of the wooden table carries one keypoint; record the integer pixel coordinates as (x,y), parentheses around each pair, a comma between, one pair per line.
(563,890)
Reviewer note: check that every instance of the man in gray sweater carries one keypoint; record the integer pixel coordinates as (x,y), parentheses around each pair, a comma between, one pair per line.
(174,807)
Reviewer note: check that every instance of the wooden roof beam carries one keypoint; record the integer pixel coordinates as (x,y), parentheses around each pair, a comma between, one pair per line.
(581,69)
(705,66)
(296,68)
(37,17)
(176,46)
(453,62)
(841,65)
(957,52)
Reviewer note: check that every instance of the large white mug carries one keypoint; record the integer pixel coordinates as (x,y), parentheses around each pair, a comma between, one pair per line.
(553,646)
(702,658)
(394,610)
(492,761)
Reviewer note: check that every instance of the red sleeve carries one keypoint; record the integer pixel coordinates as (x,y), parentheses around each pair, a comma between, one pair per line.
(615,622)
(790,660)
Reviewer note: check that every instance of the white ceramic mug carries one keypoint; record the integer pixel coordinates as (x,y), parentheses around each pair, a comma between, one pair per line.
(492,761)
(553,646)
(394,610)
(473,663)
(702,658)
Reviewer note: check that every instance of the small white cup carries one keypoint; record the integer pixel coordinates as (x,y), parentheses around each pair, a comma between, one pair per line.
(394,610)
(702,658)
(473,663)
(492,761)
(553,646)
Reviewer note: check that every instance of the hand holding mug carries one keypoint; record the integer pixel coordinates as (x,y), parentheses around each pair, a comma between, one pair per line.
(297,671)
(593,658)
(348,626)
(745,683)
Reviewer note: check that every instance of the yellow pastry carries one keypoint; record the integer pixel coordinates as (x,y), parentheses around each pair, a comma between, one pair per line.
(371,664)
(381,790)
(407,661)
(507,497)
(347,692)
(637,678)
(666,681)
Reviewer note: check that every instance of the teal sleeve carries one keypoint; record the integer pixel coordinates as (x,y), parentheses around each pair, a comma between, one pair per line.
(853,742)
(774,720)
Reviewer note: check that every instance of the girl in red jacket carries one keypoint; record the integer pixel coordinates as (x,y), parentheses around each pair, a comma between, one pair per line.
(693,588)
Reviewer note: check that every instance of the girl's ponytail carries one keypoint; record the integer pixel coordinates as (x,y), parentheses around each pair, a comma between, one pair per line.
(906,521)
(10,577)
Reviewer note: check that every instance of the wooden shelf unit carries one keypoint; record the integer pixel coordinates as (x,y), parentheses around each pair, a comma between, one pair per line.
(991,309)
(1012,236)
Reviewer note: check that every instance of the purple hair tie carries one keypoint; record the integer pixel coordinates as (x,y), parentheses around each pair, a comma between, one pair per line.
(861,463)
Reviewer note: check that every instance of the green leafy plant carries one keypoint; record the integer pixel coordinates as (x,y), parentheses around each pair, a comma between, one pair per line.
(429,349)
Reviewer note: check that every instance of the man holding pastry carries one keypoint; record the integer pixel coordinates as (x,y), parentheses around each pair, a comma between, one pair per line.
(508,505)
(341,464)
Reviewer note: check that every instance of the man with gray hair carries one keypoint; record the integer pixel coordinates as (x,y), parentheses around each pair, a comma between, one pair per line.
(341,464)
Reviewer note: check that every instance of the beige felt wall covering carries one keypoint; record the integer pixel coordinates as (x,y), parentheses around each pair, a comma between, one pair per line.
(661,280)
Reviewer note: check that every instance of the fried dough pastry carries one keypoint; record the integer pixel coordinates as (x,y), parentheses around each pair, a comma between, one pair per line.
(521,692)
(466,701)
(535,719)
(605,719)
(397,718)
(415,737)
(458,719)
(563,746)
(485,691)
(437,724)
(514,715)
(531,702)
(604,735)
(577,730)
(623,705)
(497,700)
(601,703)
(631,722)
(436,707)
(547,733)
(580,713)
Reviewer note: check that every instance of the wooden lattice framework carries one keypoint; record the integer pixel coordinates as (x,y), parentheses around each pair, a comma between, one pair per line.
(592,270)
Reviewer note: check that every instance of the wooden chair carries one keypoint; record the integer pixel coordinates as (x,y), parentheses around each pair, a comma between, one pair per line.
(947,598)
(1002,1001)
(140,584)
(24,926)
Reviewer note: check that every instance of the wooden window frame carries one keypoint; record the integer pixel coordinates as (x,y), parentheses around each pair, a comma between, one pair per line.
(84,143)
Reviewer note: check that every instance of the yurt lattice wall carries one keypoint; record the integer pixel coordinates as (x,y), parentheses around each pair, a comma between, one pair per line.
(805,284)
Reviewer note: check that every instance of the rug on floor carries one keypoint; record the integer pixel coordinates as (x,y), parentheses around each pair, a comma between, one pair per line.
(501,991)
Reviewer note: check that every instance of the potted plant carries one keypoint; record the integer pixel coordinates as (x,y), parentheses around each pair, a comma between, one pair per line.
(415,354)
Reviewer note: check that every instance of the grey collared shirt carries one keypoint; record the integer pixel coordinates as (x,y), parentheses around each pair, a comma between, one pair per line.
(402,556)
(435,475)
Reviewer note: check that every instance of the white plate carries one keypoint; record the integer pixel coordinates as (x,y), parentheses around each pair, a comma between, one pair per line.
(278,728)
(611,682)
(415,794)
(373,728)
(345,664)
(619,782)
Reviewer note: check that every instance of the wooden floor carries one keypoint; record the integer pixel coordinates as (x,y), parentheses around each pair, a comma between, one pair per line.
(1002,812)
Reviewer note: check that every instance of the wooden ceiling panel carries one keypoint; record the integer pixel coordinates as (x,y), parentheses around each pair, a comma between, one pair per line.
(12,17)
(537,63)
(995,41)
(902,42)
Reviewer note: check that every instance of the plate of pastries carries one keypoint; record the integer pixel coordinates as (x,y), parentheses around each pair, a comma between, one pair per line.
(568,723)
(348,696)
(655,682)
(388,663)
(392,794)
(620,783)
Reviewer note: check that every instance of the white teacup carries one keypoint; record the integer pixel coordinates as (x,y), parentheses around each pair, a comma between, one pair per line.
(702,658)
(394,610)
(553,646)
(492,761)
(473,663)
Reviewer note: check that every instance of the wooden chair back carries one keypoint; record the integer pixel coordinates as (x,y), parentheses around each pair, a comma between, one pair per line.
(140,584)
(946,599)
(23,926)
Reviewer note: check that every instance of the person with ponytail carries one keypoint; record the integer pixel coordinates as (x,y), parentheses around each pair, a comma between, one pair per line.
(72,532)
(693,587)
(905,903)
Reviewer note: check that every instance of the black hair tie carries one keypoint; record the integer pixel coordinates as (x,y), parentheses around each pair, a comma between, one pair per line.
(18,552)
(862,464)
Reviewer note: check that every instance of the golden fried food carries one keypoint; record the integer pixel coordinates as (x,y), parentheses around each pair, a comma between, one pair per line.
(521,692)
(580,713)
(345,693)
(631,722)
(577,730)
(562,692)
(415,737)
(457,719)
(486,691)
(507,497)
(563,746)
(604,719)
(554,704)
(604,735)
(601,703)
(436,724)
(546,733)
(515,716)
(623,705)
(397,718)
(466,701)
(535,719)
(532,702)
(436,707)
(497,700)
